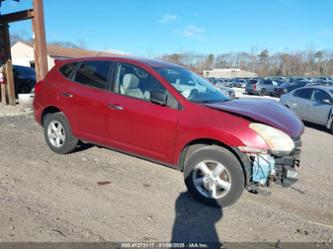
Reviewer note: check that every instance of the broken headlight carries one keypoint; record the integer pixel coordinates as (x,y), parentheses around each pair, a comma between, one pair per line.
(278,141)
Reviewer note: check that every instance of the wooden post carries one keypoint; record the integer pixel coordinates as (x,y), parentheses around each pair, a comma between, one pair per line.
(8,65)
(3,86)
(2,70)
(40,49)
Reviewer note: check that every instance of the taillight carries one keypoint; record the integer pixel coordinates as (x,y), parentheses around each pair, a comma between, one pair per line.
(254,87)
(38,87)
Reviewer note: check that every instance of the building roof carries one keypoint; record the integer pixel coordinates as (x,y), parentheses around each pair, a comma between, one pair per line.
(127,59)
(57,51)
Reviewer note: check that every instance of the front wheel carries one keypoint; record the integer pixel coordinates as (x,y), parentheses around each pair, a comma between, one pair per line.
(214,176)
(58,134)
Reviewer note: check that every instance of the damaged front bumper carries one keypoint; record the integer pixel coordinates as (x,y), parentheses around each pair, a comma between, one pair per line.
(263,170)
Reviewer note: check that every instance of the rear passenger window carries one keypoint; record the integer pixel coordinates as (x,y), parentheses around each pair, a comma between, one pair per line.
(93,73)
(67,69)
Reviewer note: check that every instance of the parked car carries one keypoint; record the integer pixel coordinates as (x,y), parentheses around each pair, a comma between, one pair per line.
(261,87)
(226,90)
(172,116)
(288,87)
(24,79)
(240,83)
(228,83)
(313,104)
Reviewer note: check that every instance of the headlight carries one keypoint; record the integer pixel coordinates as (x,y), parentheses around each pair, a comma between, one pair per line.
(278,141)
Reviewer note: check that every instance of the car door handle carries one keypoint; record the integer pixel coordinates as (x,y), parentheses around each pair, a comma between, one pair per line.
(115,107)
(68,95)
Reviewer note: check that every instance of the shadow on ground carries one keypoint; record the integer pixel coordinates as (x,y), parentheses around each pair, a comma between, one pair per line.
(195,222)
(83,146)
(317,127)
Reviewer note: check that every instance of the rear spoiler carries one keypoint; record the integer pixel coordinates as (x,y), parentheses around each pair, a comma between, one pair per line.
(60,60)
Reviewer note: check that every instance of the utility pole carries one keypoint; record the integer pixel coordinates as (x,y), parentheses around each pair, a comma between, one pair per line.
(8,65)
(39,37)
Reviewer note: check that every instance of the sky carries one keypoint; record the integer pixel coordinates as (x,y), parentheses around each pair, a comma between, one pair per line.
(155,27)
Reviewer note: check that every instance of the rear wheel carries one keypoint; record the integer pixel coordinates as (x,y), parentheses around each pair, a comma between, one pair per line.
(58,134)
(262,92)
(214,176)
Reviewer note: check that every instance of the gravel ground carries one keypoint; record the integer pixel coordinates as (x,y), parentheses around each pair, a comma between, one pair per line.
(100,195)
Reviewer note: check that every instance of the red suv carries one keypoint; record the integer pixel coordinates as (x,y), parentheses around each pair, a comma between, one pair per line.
(167,114)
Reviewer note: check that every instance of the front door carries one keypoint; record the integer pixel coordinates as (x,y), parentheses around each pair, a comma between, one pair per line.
(320,111)
(137,125)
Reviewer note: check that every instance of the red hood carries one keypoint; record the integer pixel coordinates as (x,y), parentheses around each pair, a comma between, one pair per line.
(268,112)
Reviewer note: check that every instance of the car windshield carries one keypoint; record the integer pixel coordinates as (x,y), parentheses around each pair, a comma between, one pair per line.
(192,86)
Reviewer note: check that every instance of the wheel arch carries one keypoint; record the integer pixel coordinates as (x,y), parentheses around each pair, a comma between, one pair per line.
(49,110)
(195,144)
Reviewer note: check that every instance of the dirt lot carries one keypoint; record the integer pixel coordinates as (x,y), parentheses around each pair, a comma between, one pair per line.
(48,197)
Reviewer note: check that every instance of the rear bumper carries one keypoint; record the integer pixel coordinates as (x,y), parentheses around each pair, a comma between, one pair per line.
(250,91)
(37,112)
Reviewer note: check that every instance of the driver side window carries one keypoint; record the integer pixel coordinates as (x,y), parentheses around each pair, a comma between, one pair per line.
(320,95)
(135,82)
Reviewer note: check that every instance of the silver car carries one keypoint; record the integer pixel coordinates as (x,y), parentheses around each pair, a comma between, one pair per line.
(313,104)
(261,87)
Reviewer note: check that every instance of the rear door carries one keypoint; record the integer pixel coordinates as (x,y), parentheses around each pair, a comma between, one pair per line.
(320,111)
(268,85)
(301,102)
(137,125)
(84,99)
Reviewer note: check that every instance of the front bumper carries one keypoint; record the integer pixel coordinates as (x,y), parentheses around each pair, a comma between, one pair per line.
(267,169)
(286,167)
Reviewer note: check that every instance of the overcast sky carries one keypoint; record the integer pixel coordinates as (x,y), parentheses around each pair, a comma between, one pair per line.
(154,27)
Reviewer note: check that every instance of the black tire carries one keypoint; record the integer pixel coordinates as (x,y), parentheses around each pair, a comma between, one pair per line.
(70,142)
(262,92)
(230,163)
(24,88)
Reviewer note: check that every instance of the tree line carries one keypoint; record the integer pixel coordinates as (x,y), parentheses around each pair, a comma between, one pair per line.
(308,62)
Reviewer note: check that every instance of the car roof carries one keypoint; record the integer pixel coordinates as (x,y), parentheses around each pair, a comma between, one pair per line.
(149,62)
(328,88)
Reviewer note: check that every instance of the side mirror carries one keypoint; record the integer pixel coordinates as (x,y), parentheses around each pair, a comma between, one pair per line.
(326,101)
(159,97)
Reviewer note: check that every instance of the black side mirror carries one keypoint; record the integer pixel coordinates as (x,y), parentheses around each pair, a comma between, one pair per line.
(159,97)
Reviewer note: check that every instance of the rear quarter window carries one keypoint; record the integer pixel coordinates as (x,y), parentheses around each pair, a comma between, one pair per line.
(67,69)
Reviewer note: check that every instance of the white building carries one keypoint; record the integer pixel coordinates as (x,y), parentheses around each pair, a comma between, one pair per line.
(228,73)
(23,54)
